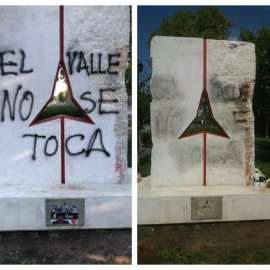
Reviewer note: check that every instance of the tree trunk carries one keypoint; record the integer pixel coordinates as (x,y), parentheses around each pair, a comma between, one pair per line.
(267,125)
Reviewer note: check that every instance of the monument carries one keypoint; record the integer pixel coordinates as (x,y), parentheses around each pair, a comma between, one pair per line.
(64,171)
(202,166)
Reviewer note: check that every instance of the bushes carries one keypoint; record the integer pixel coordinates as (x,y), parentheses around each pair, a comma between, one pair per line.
(68,110)
(146,138)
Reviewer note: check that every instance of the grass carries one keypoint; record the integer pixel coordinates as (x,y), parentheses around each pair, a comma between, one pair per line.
(34,235)
(231,257)
(262,155)
(55,110)
(102,232)
(260,258)
(54,235)
(143,229)
(236,224)
(16,260)
(178,255)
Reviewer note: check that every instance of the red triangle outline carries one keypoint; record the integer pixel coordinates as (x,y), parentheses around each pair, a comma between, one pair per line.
(88,119)
(204,92)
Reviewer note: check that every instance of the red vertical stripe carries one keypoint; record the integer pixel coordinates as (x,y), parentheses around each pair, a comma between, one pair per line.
(204,159)
(61,25)
(63,176)
(204,64)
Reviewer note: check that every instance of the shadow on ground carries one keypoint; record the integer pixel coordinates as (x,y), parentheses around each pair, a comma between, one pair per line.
(66,247)
(207,243)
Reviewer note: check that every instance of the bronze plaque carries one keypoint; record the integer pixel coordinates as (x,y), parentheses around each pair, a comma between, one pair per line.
(64,212)
(206,207)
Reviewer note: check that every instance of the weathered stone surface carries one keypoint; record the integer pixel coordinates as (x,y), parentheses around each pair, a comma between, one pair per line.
(176,87)
(97,82)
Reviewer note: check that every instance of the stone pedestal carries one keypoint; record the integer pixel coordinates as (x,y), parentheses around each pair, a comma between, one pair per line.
(203,134)
(64,157)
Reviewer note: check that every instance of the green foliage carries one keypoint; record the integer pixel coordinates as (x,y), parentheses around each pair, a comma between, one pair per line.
(144,100)
(146,138)
(208,22)
(178,255)
(128,73)
(247,35)
(54,235)
(260,258)
(198,227)
(63,96)
(99,262)
(262,156)
(10,260)
(143,229)
(29,261)
(55,110)
(231,257)
(16,260)
(102,232)
(196,129)
(129,153)
(261,96)
(144,166)
(34,235)
(237,224)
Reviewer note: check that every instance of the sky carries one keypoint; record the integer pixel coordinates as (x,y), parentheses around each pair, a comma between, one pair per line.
(150,17)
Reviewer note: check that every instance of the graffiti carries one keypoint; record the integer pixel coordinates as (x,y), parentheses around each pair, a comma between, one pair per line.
(101,100)
(35,136)
(92,141)
(95,144)
(85,96)
(46,145)
(92,68)
(27,96)
(6,64)
(26,102)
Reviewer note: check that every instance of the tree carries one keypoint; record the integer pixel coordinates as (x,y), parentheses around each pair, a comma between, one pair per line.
(144,100)
(63,96)
(128,73)
(208,22)
(261,96)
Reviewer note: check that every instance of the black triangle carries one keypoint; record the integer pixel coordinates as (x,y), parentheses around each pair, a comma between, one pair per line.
(204,121)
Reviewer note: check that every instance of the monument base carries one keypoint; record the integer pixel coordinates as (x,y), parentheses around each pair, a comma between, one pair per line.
(23,207)
(198,204)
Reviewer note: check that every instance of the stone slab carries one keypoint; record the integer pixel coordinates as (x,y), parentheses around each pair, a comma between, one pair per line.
(172,205)
(176,88)
(106,206)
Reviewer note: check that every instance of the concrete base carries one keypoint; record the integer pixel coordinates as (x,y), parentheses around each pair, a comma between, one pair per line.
(166,205)
(22,207)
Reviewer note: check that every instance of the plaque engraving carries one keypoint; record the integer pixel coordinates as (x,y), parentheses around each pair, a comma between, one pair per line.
(64,212)
(206,207)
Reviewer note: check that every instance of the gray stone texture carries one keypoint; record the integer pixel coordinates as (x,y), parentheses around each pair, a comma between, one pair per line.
(176,87)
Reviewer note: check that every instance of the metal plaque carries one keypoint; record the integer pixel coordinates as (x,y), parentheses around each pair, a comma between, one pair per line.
(64,212)
(206,207)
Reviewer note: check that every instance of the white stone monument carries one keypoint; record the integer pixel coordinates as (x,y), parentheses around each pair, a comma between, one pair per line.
(203,134)
(64,161)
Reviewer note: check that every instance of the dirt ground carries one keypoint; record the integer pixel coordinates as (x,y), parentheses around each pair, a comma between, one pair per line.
(207,243)
(66,247)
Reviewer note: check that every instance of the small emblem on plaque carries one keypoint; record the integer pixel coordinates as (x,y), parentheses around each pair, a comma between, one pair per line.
(206,207)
